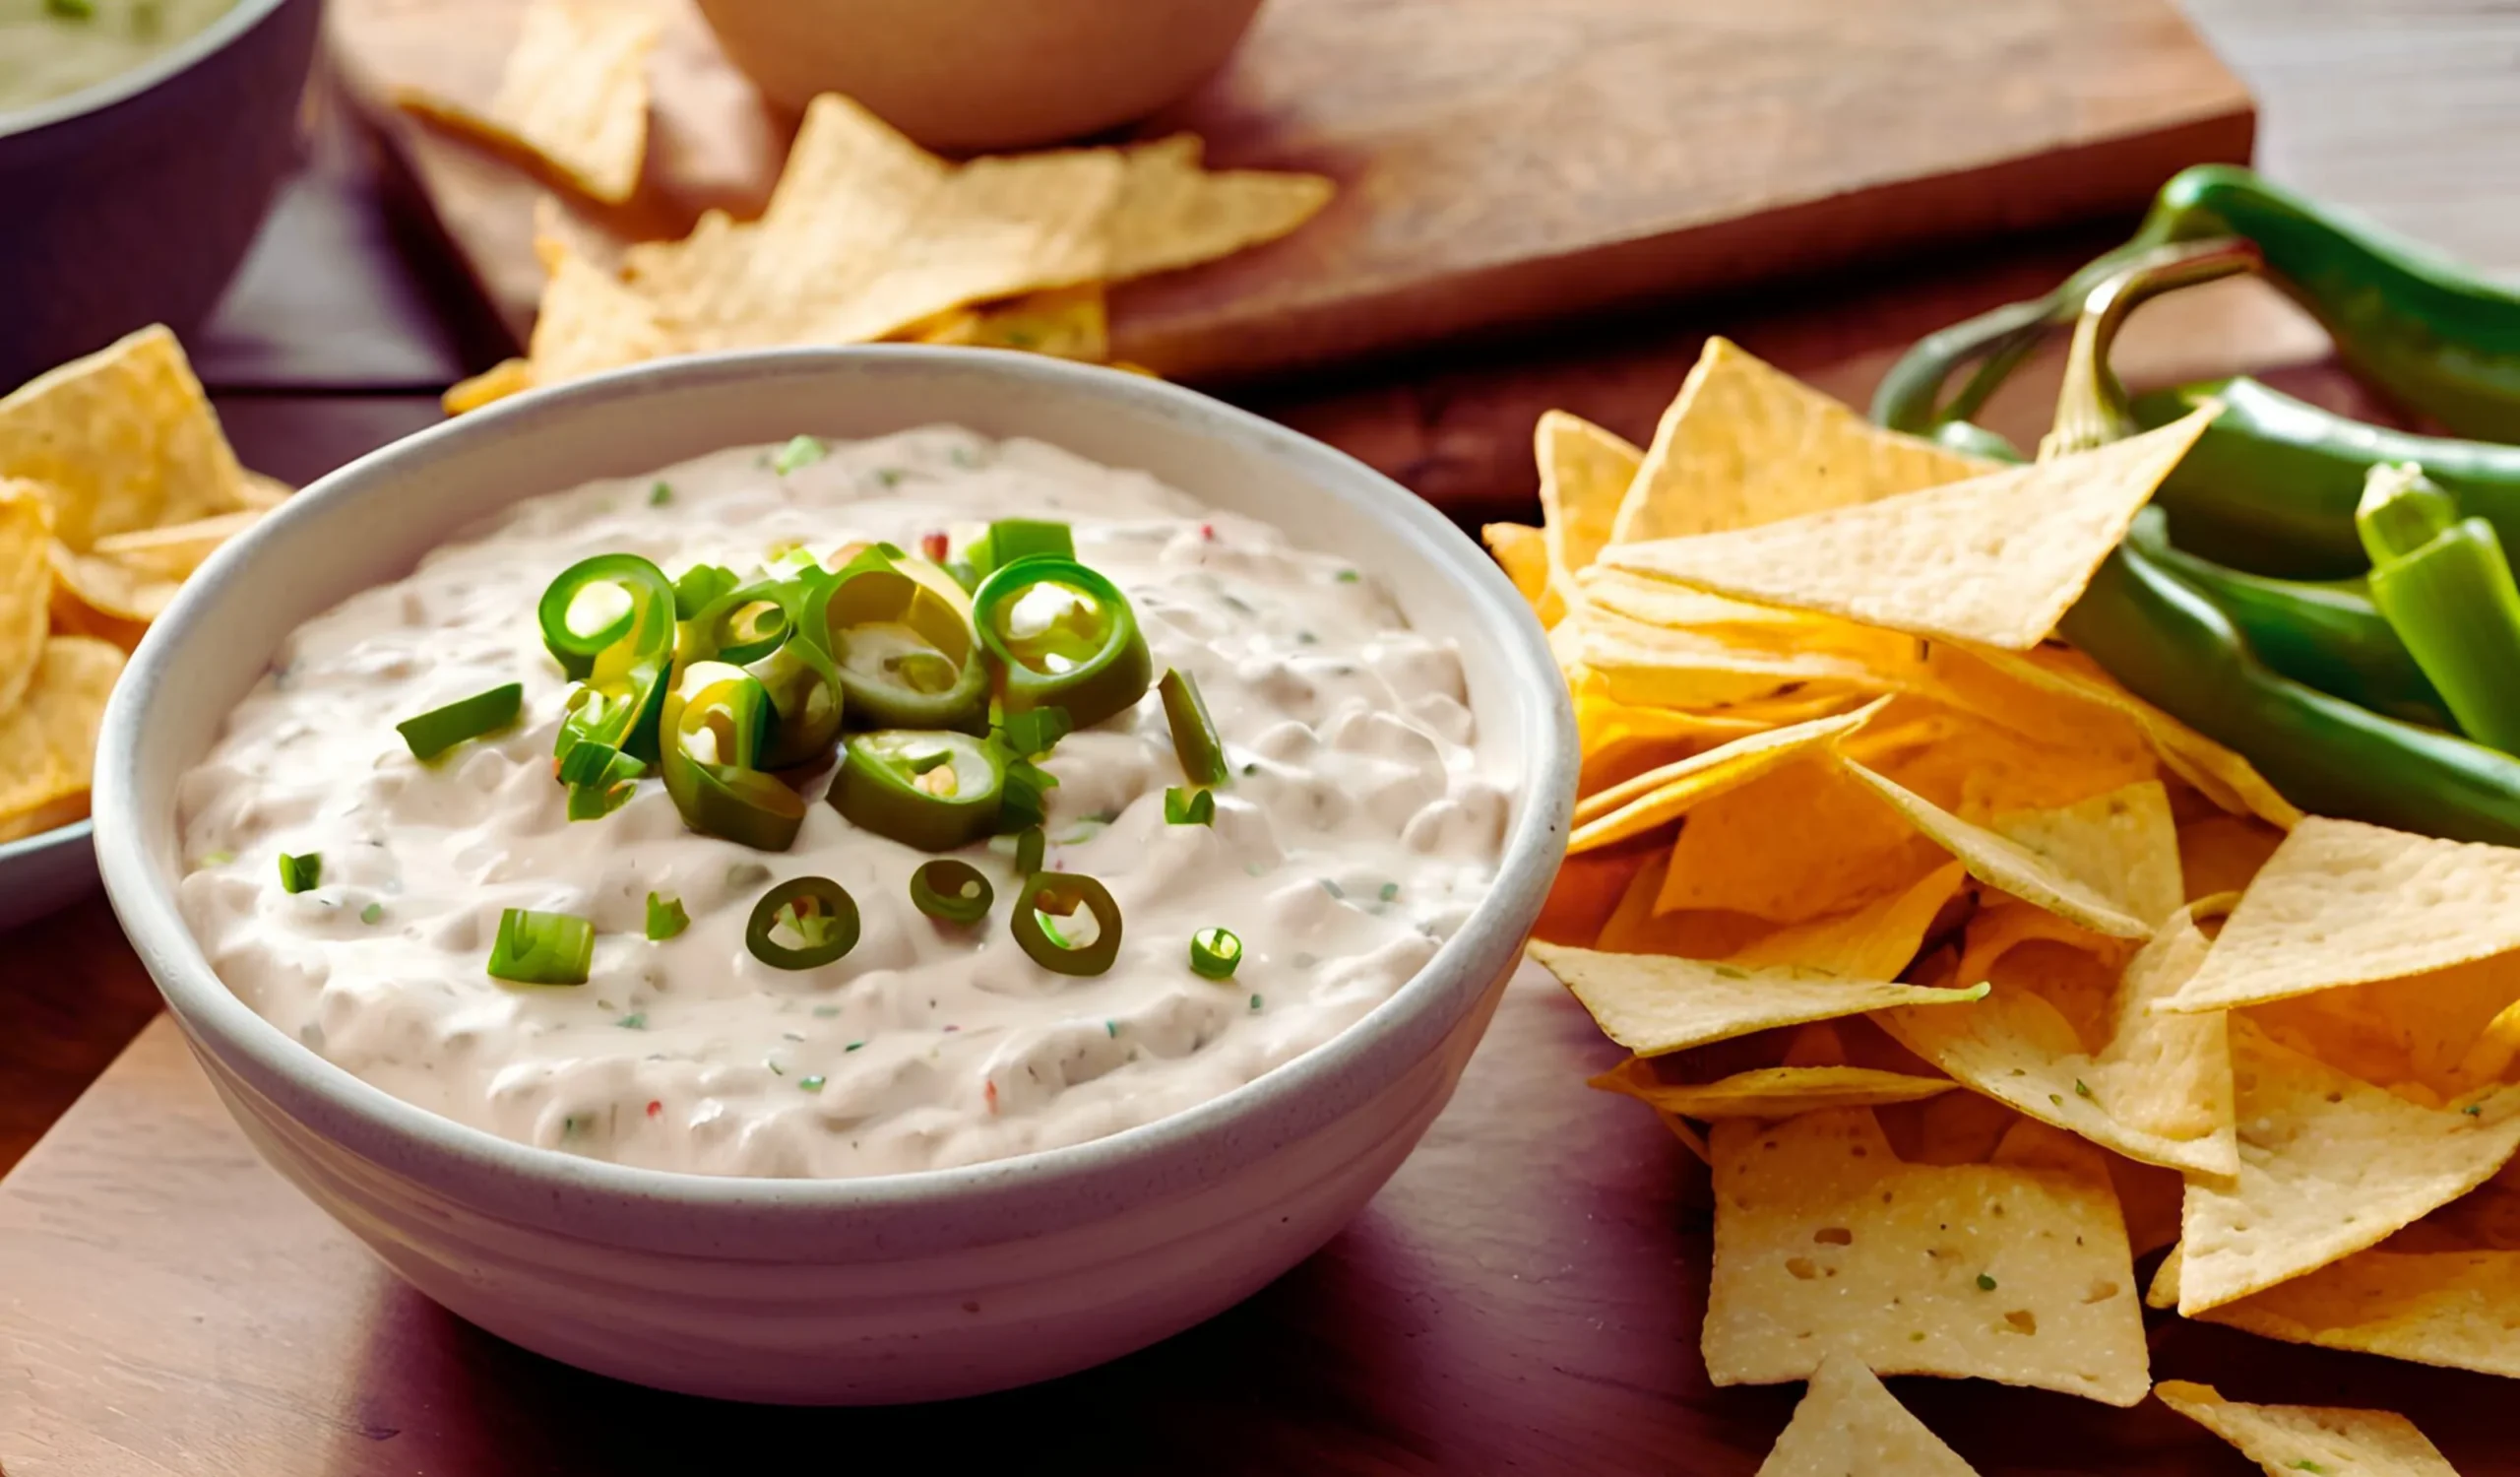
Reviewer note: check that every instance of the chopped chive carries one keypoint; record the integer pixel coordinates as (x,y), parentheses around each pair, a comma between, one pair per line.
(301,873)
(801,451)
(1731,972)
(813,1083)
(1917,1337)
(665,917)
(1112,1028)
(1215,953)
(438,730)
(1194,734)
(2080,1090)
(72,10)
(852,1046)
(1255,1002)
(219,857)
(2056,1100)
(1250,769)
(1390,890)
(541,949)
(1986,1283)
(2307,1465)
(889,477)
(1349,576)
(2473,1110)
(1333,888)
(635,1021)
(826,1012)
(776,1069)
(371,913)
(1029,850)
(1037,732)
(661,493)
(1189,808)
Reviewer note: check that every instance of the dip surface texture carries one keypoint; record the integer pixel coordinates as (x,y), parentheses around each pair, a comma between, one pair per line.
(51,48)
(1358,829)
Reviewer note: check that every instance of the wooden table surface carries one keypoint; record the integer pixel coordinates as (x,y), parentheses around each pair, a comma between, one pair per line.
(1522,1298)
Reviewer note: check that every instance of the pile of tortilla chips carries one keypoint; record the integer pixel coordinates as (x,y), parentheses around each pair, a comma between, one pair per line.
(116,484)
(1974,978)
(866,237)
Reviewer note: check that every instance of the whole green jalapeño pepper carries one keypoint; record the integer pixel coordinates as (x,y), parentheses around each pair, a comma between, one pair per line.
(608,621)
(901,645)
(2273,483)
(932,789)
(717,725)
(1059,635)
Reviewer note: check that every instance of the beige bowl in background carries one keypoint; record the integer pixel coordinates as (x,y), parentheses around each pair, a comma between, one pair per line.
(971,74)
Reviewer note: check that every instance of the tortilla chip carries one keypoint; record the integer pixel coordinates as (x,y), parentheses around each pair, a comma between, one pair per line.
(2219,854)
(1662,796)
(2452,1309)
(1995,560)
(1662,667)
(1653,1005)
(1067,323)
(1876,941)
(94,596)
(1584,475)
(2342,902)
(1171,212)
(1980,771)
(589,323)
(1802,842)
(1849,1422)
(2005,864)
(261,492)
(505,378)
(25,585)
(2429,1038)
(49,741)
(574,93)
(1769,1091)
(2157,1089)
(122,439)
(2015,1270)
(1634,927)
(2325,1440)
(2224,776)
(2149,1197)
(1519,551)
(174,552)
(2122,846)
(2329,1165)
(1587,889)
(1745,444)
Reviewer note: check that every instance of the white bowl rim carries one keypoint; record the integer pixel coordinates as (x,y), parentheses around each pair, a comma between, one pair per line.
(1534,843)
(239,18)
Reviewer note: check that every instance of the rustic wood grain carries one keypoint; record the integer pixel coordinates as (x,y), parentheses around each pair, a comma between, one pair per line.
(1524,1297)
(1500,161)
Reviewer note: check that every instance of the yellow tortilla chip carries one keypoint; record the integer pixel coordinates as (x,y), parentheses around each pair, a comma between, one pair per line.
(1769,1091)
(25,585)
(1745,444)
(2325,1440)
(2149,1197)
(2452,1309)
(1654,1004)
(1172,213)
(574,93)
(2016,1270)
(589,323)
(1876,941)
(2329,1165)
(1519,551)
(2434,1032)
(174,552)
(2002,862)
(49,741)
(1634,927)
(505,378)
(1067,323)
(1847,1422)
(1994,560)
(94,596)
(2219,854)
(122,439)
(1662,667)
(261,493)
(1658,796)
(1802,842)
(1584,473)
(1587,889)
(2122,845)
(2226,778)
(2342,902)
(2157,1089)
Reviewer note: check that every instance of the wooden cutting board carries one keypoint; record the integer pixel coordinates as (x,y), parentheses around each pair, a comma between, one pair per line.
(1501,161)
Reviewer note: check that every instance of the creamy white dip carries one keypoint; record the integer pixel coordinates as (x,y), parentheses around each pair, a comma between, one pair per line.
(1358,829)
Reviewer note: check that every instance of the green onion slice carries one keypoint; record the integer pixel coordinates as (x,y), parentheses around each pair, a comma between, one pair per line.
(1194,732)
(951,891)
(1189,808)
(801,451)
(438,730)
(541,949)
(1023,803)
(1012,539)
(1030,847)
(1037,732)
(1215,953)
(301,873)
(665,917)
(1050,894)
(699,585)
(817,911)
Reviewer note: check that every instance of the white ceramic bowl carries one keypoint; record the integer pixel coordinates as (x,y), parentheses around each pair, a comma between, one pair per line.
(860,1291)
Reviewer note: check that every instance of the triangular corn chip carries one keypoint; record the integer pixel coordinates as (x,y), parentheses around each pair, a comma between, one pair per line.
(120,440)
(49,741)
(1849,1422)
(1802,842)
(2342,902)
(2154,1095)
(25,585)
(1171,211)
(2326,1440)
(2329,1165)
(1519,554)
(2007,864)
(1826,1243)
(2124,845)
(1662,667)
(1584,473)
(1769,1091)
(1745,444)
(1651,1004)
(2429,1038)
(1660,795)
(574,93)
(1876,941)
(1995,560)
(2452,1308)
